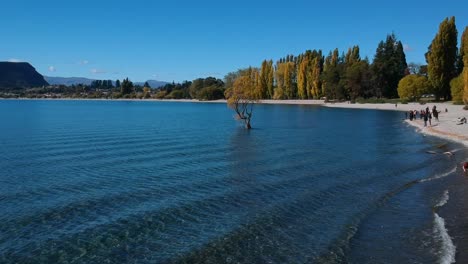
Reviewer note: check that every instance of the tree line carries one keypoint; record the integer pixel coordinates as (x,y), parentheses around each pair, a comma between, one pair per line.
(345,76)
(348,76)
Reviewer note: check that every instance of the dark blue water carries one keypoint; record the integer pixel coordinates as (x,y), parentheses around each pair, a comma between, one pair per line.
(159,182)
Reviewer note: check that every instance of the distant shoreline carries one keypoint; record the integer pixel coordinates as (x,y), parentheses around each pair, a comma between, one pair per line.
(446,127)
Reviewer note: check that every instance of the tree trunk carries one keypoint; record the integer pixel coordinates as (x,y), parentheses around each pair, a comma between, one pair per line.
(247,124)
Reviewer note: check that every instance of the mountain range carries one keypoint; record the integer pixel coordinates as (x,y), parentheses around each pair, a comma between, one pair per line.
(86,81)
(18,75)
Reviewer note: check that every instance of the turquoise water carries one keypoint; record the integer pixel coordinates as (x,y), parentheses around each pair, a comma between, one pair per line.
(161,182)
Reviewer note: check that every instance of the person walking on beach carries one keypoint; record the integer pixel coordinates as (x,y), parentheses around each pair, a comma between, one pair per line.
(424,115)
(429,116)
(435,113)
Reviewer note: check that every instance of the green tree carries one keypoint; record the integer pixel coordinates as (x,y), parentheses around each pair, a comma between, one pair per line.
(413,86)
(353,73)
(126,86)
(196,86)
(358,79)
(211,93)
(146,85)
(117,83)
(388,67)
(199,84)
(441,58)
(333,87)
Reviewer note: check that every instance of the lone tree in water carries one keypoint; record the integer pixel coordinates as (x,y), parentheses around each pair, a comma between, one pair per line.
(243,94)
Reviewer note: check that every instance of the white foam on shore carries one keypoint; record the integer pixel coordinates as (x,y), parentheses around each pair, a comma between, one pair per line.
(448,249)
(425,131)
(443,200)
(438,176)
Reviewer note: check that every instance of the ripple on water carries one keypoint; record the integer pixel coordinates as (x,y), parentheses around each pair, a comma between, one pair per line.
(154,183)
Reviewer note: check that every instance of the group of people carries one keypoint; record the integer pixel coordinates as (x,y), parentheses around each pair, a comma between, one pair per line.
(424,114)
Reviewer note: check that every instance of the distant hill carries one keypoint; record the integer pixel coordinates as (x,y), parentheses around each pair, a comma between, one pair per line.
(153,83)
(68,81)
(19,75)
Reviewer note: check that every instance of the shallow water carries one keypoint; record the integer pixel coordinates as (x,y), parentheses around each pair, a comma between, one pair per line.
(160,182)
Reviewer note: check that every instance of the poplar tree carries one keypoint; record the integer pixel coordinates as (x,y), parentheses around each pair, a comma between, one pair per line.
(270,78)
(441,58)
(290,80)
(314,83)
(352,82)
(302,78)
(280,80)
(285,80)
(465,63)
(462,53)
(266,79)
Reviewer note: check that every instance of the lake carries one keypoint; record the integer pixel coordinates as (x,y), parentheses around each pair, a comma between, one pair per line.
(168,182)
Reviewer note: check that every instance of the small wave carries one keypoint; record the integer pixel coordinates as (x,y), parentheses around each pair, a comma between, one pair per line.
(443,200)
(438,176)
(448,249)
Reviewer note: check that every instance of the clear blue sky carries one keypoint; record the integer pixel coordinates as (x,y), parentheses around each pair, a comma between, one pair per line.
(183,40)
